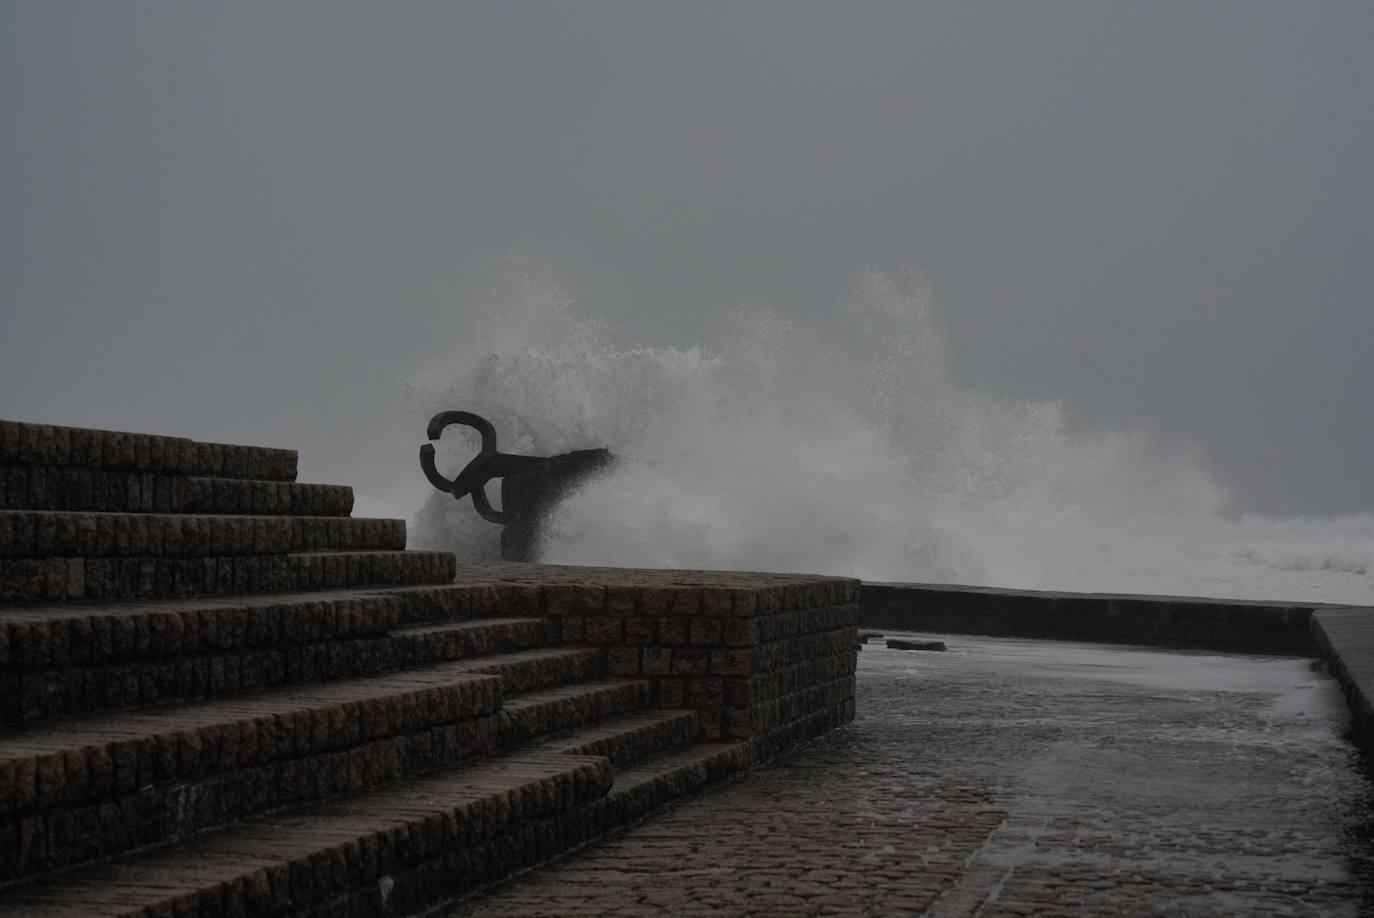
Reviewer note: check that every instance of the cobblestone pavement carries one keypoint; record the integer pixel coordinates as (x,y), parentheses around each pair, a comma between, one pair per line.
(1009,777)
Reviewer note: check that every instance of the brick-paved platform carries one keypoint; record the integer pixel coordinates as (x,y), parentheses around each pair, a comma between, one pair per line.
(296,717)
(1011,777)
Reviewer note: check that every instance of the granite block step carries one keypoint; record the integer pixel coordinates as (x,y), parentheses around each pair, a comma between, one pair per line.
(90,787)
(63,660)
(533,714)
(50,487)
(49,580)
(645,786)
(34,695)
(388,852)
(55,533)
(78,447)
(85,788)
(530,670)
(630,738)
(412,845)
(29,697)
(477,637)
(41,636)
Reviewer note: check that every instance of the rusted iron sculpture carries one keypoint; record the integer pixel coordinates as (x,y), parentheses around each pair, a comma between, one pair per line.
(530,485)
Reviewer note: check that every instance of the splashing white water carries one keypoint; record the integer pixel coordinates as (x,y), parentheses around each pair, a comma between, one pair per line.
(852,453)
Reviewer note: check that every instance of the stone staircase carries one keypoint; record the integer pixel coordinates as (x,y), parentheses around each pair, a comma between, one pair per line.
(222,695)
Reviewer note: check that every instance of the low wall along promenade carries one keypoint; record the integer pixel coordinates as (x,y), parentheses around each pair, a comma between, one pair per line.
(1171,621)
(220,694)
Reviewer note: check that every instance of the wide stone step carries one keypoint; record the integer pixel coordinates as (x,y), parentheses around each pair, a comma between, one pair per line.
(49,487)
(643,787)
(415,844)
(37,636)
(92,787)
(45,444)
(389,852)
(53,533)
(639,789)
(535,714)
(62,660)
(473,638)
(38,694)
(630,738)
(529,670)
(48,580)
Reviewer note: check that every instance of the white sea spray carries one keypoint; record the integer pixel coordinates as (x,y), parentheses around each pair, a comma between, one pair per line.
(853,451)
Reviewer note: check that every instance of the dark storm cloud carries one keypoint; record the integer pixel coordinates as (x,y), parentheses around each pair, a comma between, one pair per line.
(250,220)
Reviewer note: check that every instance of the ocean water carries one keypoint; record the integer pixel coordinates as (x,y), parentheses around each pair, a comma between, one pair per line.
(851,452)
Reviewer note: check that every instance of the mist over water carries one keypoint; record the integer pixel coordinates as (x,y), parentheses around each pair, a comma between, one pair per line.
(850,451)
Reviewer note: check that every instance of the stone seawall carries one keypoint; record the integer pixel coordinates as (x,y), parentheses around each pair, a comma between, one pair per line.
(1241,626)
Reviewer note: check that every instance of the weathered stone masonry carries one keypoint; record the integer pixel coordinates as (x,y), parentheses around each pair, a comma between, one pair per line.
(221,695)
(767,658)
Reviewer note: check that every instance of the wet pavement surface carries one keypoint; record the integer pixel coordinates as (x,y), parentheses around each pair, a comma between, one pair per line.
(1009,777)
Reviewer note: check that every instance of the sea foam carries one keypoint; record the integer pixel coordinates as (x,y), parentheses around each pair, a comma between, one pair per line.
(851,451)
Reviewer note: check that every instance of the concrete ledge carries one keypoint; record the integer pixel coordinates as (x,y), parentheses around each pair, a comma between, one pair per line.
(1345,640)
(1242,626)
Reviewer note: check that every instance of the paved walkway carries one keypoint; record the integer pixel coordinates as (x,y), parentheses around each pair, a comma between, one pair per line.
(1009,777)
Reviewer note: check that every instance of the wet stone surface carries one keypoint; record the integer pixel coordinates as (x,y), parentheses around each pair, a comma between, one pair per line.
(1009,777)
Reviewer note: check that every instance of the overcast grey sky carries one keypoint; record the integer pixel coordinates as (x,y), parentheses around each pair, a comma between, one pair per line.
(248,221)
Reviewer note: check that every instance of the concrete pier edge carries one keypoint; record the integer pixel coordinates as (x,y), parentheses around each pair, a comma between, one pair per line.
(1345,641)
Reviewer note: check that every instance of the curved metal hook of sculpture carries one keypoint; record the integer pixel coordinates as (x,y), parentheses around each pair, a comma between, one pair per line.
(486,465)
